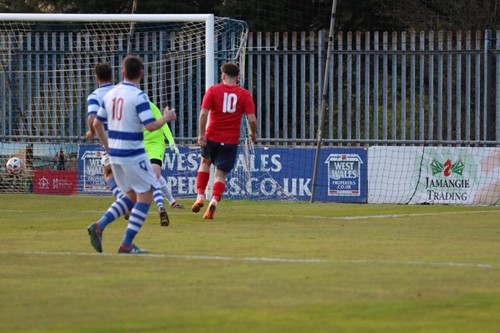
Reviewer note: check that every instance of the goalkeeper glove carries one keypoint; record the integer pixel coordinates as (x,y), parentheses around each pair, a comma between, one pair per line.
(174,148)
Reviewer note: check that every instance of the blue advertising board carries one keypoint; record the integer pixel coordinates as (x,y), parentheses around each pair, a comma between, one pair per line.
(275,173)
(90,178)
(263,174)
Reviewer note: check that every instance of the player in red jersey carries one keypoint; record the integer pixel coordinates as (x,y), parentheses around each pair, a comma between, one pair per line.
(219,125)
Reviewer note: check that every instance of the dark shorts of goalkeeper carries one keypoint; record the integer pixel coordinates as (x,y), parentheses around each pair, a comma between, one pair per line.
(222,155)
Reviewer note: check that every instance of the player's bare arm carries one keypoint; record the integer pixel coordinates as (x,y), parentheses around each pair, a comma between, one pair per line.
(168,115)
(252,125)
(101,133)
(202,125)
(91,132)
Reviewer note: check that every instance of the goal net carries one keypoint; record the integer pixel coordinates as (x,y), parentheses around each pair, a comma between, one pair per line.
(46,74)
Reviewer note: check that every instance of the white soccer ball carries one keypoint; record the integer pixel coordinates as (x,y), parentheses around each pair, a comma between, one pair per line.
(14,166)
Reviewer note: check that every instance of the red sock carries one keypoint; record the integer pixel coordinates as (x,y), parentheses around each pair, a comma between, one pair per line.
(218,190)
(202,181)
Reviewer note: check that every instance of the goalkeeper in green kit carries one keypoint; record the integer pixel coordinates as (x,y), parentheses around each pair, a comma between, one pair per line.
(154,143)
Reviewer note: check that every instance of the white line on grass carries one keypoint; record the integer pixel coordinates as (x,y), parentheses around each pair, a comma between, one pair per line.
(266,259)
(356,217)
(362,217)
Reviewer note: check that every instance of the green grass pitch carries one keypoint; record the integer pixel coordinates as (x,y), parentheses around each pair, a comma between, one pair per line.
(258,267)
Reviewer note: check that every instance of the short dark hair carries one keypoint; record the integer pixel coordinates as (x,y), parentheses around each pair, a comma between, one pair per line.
(103,71)
(133,67)
(230,69)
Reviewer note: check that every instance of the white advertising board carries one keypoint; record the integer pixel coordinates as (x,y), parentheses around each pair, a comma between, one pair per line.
(434,175)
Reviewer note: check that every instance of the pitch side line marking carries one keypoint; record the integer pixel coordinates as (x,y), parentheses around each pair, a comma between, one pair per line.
(361,217)
(357,217)
(265,259)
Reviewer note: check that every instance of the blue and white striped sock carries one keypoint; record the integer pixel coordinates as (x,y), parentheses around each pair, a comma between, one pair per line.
(114,188)
(117,209)
(137,217)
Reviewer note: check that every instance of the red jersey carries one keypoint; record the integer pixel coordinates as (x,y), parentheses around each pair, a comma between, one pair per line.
(227,104)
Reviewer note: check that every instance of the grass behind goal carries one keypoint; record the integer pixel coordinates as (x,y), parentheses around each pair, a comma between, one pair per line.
(258,267)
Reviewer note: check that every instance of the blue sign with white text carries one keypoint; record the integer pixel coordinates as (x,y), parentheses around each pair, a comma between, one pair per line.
(259,174)
(90,178)
(278,173)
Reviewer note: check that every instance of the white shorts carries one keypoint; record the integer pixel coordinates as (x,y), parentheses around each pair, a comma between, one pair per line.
(137,176)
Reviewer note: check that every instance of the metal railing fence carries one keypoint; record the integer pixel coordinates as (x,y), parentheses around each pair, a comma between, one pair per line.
(407,88)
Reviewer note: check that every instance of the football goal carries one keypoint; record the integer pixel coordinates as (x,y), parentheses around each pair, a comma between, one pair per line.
(46,74)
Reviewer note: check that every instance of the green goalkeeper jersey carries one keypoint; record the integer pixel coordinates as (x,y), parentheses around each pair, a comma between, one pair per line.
(156,137)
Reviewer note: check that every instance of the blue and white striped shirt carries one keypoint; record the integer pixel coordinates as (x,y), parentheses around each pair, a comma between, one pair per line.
(95,99)
(126,110)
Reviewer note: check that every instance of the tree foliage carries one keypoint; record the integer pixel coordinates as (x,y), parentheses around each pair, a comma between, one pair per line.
(422,15)
(299,15)
(65,6)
